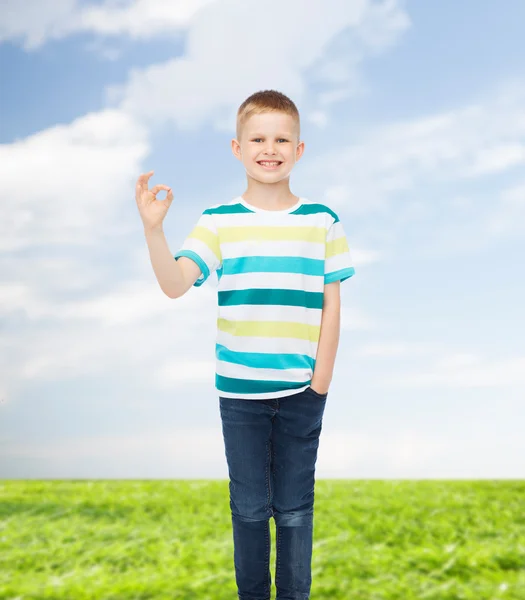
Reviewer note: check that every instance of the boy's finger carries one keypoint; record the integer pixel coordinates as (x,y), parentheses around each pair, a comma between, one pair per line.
(156,189)
(143,181)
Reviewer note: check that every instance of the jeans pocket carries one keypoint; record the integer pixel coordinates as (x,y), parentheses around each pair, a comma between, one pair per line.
(317,394)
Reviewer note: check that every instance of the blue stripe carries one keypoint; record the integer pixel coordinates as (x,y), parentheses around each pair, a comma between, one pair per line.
(275,297)
(255,386)
(261,360)
(304,209)
(340,275)
(273,264)
(200,262)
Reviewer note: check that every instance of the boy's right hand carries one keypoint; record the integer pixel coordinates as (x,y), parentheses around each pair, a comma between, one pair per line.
(152,211)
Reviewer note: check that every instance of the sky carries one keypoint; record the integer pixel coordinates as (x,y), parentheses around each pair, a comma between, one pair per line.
(413,118)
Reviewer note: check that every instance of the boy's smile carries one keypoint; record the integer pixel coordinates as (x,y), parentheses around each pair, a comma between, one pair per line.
(270,166)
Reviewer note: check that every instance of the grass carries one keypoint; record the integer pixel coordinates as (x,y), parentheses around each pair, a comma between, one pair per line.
(373,540)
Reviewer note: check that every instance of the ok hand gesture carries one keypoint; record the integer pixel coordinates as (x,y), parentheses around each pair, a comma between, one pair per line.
(152,211)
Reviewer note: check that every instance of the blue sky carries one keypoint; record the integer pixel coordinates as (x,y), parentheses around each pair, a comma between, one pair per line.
(414,128)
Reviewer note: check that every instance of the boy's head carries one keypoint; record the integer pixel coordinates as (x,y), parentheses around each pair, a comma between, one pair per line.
(268,128)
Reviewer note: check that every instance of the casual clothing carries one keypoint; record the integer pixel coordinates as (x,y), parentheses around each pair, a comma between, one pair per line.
(271,449)
(271,269)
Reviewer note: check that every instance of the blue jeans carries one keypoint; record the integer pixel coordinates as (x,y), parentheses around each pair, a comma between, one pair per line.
(271,451)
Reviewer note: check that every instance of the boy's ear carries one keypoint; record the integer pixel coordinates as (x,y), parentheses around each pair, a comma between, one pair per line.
(236,149)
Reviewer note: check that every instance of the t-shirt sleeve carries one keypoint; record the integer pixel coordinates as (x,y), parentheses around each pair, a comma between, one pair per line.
(338,264)
(203,247)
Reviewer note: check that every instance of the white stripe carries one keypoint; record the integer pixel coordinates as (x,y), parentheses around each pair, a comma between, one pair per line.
(266,396)
(227,369)
(324,219)
(239,343)
(285,281)
(207,221)
(339,261)
(273,248)
(336,231)
(203,251)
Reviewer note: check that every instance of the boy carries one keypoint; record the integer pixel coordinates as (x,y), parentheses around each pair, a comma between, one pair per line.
(279,260)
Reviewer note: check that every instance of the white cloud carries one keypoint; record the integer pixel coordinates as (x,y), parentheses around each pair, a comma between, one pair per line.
(353,318)
(484,217)
(472,141)
(509,214)
(365,257)
(383,24)
(464,371)
(35,22)
(196,370)
(131,327)
(215,72)
(395,349)
(141,19)
(73,180)
(340,452)
(143,454)
(498,158)
(317,117)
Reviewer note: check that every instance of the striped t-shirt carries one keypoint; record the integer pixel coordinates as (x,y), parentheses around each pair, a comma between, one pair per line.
(272,266)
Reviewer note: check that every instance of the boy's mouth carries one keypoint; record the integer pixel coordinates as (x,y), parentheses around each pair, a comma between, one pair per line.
(270,165)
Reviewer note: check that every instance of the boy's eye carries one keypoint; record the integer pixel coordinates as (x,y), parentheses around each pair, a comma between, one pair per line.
(261,139)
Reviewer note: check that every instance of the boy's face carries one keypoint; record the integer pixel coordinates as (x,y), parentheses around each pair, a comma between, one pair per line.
(269,136)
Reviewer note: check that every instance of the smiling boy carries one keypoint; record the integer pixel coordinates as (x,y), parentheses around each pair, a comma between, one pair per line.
(279,259)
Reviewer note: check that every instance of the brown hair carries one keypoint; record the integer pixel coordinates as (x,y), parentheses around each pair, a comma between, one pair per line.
(266,101)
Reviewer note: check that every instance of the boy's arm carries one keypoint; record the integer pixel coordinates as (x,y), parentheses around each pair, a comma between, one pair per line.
(175,277)
(328,339)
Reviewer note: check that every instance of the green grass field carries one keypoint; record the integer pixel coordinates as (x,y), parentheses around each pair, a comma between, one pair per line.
(373,540)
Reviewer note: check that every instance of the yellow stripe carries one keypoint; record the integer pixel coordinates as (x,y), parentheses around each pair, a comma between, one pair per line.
(240,234)
(209,238)
(270,329)
(337,246)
